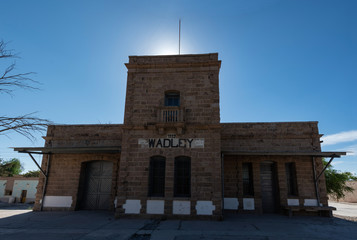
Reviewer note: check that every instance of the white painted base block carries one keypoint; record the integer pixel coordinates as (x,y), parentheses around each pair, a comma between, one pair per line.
(132,206)
(231,203)
(155,206)
(204,207)
(293,202)
(310,202)
(248,204)
(58,201)
(11,199)
(182,207)
(2,188)
(115,202)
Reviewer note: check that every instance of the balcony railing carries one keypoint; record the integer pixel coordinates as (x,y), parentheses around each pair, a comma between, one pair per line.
(170,115)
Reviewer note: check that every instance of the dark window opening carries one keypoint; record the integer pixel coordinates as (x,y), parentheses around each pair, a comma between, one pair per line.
(182,182)
(157,177)
(291,179)
(8,192)
(248,187)
(172,99)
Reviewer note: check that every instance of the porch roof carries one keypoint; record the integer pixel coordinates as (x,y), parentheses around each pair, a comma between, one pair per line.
(48,150)
(313,154)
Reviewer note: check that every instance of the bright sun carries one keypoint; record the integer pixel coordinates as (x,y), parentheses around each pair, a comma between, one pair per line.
(166,48)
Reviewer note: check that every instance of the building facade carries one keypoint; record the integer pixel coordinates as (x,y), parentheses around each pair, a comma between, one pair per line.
(18,189)
(172,157)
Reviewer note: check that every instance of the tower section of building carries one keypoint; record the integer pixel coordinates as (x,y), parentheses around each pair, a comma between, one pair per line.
(171,148)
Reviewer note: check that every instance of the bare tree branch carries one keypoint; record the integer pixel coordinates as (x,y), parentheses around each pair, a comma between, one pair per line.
(9,81)
(5,53)
(26,124)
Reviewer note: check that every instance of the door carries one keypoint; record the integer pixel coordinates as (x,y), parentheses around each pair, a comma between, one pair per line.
(268,186)
(98,185)
(23,196)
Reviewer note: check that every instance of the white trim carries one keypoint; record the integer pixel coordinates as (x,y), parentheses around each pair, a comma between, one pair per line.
(155,206)
(293,202)
(58,201)
(310,202)
(248,204)
(181,207)
(205,207)
(132,206)
(231,203)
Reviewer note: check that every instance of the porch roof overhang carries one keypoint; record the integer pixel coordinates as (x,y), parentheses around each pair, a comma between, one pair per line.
(49,150)
(313,154)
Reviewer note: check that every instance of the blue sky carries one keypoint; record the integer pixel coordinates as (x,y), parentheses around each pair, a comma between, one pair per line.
(282,60)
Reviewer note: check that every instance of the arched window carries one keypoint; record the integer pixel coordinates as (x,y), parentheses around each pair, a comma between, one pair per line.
(157,177)
(182,182)
(172,98)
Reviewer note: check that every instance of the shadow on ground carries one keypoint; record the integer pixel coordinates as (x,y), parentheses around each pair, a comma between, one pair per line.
(102,225)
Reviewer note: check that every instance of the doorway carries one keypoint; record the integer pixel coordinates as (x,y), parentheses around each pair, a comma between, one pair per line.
(23,196)
(268,187)
(96,185)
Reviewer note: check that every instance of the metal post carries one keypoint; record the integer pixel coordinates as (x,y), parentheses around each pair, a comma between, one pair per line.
(179,36)
(315,181)
(323,170)
(46,179)
(222,180)
(33,159)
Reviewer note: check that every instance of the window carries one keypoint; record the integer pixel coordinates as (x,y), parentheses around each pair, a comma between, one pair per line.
(182,182)
(172,99)
(291,179)
(157,177)
(8,192)
(248,187)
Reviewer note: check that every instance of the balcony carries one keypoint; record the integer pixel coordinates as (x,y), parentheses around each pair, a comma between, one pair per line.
(170,115)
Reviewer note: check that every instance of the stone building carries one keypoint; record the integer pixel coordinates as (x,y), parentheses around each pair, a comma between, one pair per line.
(172,157)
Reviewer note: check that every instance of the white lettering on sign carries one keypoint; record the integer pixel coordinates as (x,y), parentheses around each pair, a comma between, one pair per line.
(172,143)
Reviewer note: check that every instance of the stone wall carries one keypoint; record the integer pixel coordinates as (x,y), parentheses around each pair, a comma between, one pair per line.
(349,196)
(279,137)
(205,173)
(271,137)
(65,169)
(195,77)
(233,180)
(64,179)
(149,77)
(96,135)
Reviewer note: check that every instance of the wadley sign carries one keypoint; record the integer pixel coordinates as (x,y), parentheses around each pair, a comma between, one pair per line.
(172,143)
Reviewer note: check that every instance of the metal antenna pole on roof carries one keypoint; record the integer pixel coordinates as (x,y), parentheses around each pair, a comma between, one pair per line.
(179,36)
